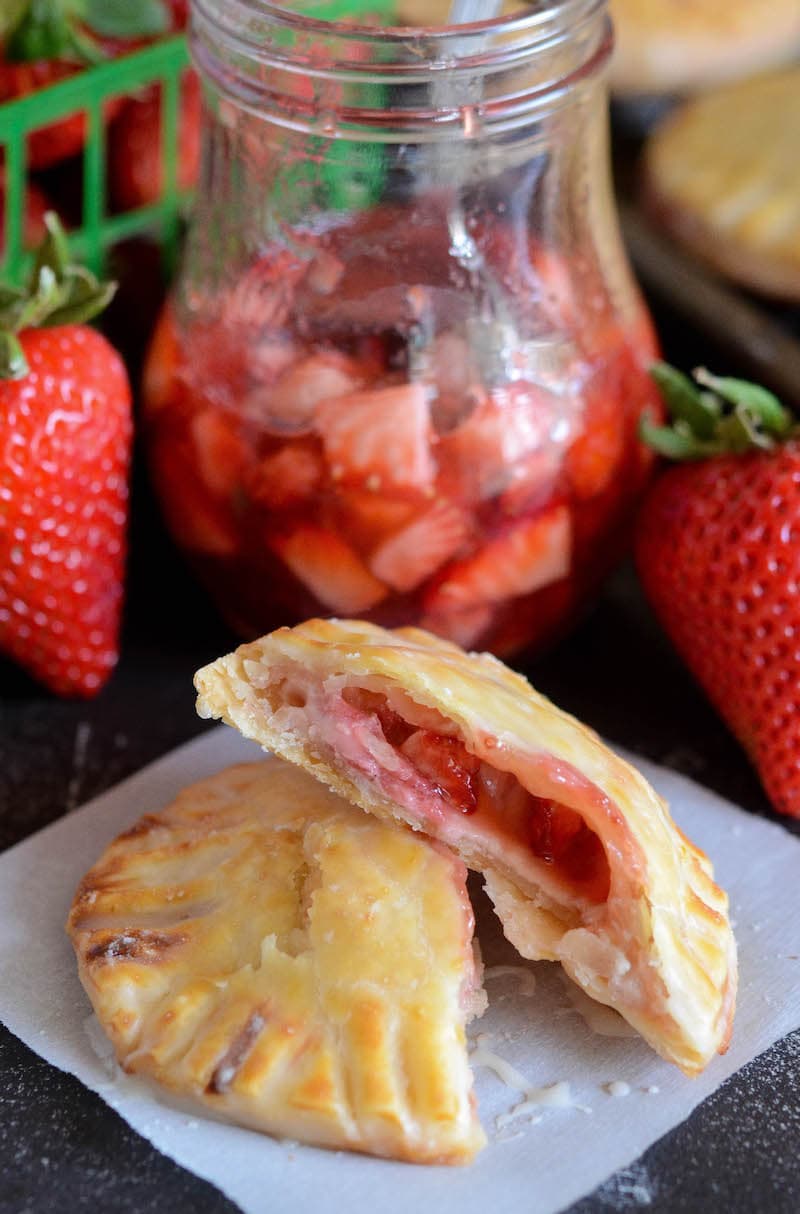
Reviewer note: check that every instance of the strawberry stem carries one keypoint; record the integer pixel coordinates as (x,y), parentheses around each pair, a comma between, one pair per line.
(758,402)
(715,416)
(12,359)
(58,293)
(47,30)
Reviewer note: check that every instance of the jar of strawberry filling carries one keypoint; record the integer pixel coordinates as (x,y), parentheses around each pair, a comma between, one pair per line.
(401,374)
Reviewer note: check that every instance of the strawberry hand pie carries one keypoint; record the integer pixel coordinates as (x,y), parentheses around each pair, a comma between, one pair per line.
(579,854)
(276,956)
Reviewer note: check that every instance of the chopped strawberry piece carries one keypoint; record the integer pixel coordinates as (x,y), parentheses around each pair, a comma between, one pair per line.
(524,558)
(198,525)
(412,554)
(221,452)
(380,437)
(368,518)
(262,297)
(267,359)
(457,381)
(596,455)
(325,273)
(161,367)
(558,288)
(463,625)
(371,353)
(289,406)
(499,444)
(533,482)
(329,568)
(287,478)
(196,520)
(445,761)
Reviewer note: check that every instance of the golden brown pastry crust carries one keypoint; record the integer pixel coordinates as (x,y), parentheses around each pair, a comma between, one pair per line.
(723,175)
(290,963)
(658,947)
(668,46)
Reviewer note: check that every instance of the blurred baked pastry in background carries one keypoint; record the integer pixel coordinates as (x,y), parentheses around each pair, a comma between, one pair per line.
(674,46)
(722,174)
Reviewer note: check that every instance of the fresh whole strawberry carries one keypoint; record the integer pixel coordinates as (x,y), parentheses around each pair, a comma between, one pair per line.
(65,432)
(136,162)
(718,553)
(46,41)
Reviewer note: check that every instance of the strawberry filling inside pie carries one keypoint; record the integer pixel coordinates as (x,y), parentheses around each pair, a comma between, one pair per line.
(416,758)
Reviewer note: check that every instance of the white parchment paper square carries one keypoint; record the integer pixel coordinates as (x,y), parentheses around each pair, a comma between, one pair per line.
(539,1166)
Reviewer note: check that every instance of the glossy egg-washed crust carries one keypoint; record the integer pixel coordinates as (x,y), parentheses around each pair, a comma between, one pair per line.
(722,173)
(671,46)
(290,963)
(659,949)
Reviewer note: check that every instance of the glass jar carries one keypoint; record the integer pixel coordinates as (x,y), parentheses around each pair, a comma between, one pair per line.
(401,373)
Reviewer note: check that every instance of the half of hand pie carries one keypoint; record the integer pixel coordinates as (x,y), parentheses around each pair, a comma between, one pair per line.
(293,964)
(580,856)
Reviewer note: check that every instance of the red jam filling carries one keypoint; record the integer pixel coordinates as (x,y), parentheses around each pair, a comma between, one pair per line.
(312,461)
(459,781)
(559,836)
(454,774)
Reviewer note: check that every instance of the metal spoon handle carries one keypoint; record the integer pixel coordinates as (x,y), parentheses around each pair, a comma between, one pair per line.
(464,12)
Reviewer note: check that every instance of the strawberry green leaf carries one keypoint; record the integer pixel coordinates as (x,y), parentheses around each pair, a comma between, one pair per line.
(685,402)
(43,32)
(738,433)
(730,416)
(675,442)
(45,294)
(127,18)
(85,298)
(51,29)
(763,406)
(53,252)
(11,13)
(57,293)
(11,299)
(68,29)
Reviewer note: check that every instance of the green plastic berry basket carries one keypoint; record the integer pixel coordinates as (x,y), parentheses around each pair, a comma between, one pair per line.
(87,93)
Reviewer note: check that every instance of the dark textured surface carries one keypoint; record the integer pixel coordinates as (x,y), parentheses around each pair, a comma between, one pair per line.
(62,1151)
(737,1153)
